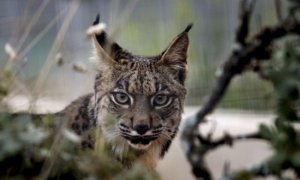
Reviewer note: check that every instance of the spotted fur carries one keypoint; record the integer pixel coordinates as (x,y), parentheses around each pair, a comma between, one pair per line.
(137,100)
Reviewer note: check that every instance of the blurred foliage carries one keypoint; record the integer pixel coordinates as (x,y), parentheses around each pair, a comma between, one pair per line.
(6,79)
(283,135)
(5,82)
(244,175)
(31,147)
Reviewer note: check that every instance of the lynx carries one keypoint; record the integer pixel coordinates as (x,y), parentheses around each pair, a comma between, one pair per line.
(137,100)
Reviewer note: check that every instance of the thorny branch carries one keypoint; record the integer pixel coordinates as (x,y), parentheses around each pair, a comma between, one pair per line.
(246,51)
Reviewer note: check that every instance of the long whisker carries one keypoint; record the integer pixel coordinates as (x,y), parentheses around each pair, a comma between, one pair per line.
(166,127)
(167,136)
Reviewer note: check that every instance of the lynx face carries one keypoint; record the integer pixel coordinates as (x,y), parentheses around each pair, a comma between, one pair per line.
(138,99)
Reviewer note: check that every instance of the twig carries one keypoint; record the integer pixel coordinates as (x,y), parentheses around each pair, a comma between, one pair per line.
(39,36)
(206,144)
(22,23)
(55,149)
(278,10)
(56,45)
(32,22)
(225,140)
(246,8)
(241,56)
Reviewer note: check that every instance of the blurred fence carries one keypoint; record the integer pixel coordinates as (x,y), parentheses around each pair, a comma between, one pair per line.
(141,26)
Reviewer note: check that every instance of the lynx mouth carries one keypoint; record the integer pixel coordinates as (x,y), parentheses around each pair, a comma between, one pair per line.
(140,142)
(139,145)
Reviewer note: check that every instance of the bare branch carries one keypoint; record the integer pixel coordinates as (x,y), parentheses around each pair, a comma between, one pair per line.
(246,8)
(255,48)
(227,139)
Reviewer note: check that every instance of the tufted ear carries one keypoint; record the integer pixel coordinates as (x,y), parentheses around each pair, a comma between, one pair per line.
(174,57)
(106,50)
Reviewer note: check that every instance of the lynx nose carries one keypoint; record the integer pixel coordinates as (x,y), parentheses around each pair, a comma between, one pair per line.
(141,129)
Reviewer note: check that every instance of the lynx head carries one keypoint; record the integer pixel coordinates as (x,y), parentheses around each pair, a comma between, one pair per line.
(139,99)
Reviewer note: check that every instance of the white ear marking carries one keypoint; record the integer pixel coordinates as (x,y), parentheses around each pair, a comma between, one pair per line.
(96,29)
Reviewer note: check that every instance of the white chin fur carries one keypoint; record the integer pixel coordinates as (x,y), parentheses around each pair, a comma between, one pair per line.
(139,146)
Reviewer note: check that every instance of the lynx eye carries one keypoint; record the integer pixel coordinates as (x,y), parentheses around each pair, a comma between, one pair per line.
(161,100)
(121,98)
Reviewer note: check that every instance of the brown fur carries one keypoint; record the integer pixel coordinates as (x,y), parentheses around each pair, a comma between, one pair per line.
(153,92)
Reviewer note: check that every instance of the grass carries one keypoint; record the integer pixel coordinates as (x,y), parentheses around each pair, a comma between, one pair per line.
(30,147)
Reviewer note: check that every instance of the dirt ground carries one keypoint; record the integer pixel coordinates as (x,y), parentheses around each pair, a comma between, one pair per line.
(175,166)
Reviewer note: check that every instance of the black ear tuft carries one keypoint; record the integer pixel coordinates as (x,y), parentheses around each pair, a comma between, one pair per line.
(189,27)
(174,58)
(111,47)
(102,39)
(97,20)
(106,47)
